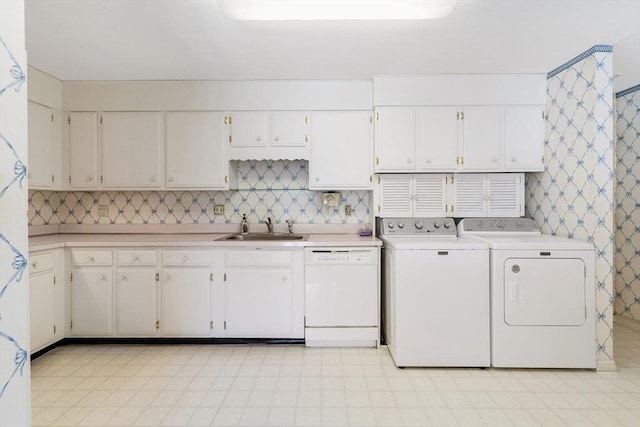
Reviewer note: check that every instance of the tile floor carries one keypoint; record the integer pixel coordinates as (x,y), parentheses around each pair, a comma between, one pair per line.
(261,385)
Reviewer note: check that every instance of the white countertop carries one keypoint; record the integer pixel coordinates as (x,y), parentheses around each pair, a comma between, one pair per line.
(51,241)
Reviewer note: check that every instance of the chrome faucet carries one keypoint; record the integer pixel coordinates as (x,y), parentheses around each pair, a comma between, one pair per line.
(290,225)
(269,225)
(244,225)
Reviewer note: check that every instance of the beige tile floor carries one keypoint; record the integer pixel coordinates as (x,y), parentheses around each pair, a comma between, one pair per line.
(277,385)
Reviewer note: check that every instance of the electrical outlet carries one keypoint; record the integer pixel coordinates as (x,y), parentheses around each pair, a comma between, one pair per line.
(347,210)
(218,209)
(103,211)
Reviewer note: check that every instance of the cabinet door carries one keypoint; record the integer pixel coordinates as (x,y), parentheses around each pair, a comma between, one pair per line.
(42,309)
(437,138)
(91,301)
(83,150)
(131,149)
(136,301)
(396,195)
(259,303)
(483,138)
(341,150)
(289,128)
(505,194)
(395,139)
(249,129)
(469,195)
(185,301)
(195,150)
(524,138)
(430,195)
(40,169)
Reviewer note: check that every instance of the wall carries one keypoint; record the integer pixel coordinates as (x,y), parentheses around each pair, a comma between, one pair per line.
(574,196)
(15,399)
(266,188)
(627,214)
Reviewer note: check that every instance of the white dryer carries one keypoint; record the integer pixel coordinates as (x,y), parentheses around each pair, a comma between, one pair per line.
(436,294)
(542,295)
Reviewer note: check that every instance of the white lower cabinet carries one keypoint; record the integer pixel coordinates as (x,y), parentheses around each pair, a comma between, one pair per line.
(46,299)
(92,301)
(263,293)
(186,293)
(136,301)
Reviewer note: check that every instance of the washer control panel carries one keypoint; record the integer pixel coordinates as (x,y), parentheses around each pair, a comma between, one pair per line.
(436,227)
(498,225)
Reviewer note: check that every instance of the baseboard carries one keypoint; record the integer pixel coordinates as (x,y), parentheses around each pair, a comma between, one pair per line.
(606,366)
(626,322)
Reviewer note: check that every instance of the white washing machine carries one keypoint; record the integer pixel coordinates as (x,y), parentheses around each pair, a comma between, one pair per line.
(542,295)
(436,294)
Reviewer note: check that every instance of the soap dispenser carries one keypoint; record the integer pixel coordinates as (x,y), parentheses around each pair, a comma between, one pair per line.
(244,225)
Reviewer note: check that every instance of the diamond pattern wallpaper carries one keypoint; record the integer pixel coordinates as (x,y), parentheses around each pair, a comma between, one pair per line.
(627,214)
(574,196)
(265,188)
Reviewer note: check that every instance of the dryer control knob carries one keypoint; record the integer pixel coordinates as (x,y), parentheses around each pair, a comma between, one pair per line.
(391,225)
(436,224)
(419,225)
(447,224)
(401,225)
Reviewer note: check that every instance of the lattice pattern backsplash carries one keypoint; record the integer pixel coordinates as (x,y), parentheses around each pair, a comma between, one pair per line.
(266,188)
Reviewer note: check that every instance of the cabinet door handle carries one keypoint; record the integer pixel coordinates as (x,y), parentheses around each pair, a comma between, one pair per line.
(277,138)
(89,179)
(167,277)
(185,258)
(259,138)
(90,259)
(428,160)
(284,278)
(153,179)
(123,278)
(34,265)
(513,159)
(103,278)
(29,175)
(170,179)
(135,258)
(494,160)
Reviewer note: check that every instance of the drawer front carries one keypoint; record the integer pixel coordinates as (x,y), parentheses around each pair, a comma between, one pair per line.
(89,258)
(261,257)
(187,257)
(41,262)
(137,257)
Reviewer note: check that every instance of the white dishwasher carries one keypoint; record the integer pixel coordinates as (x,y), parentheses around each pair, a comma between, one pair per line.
(342,297)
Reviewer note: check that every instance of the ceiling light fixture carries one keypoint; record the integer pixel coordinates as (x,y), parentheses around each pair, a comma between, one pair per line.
(309,10)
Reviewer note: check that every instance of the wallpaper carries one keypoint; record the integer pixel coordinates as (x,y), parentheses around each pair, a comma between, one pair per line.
(574,196)
(15,401)
(627,214)
(274,188)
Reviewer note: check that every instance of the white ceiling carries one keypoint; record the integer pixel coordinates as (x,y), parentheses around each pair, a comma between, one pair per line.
(193,40)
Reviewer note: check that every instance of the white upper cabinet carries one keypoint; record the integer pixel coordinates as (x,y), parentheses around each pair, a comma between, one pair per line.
(132,145)
(525,128)
(438,138)
(412,195)
(341,150)
(488,195)
(42,146)
(83,150)
(395,139)
(483,138)
(195,156)
(268,135)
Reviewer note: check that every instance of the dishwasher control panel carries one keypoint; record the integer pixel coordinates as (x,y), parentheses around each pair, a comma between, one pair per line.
(341,256)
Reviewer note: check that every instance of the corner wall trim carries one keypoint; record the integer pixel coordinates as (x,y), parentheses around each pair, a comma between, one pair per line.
(583,55)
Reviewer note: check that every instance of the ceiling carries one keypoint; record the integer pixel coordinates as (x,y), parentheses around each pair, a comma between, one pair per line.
(193,40)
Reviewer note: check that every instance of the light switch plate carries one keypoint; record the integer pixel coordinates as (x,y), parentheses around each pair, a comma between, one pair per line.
(218,209)
(103,211)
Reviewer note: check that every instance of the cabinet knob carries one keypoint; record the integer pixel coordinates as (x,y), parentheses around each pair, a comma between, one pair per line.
(428,160)
(259,138)
(513,159)
(185,258)
(123,278)
(29,175)
(167,277)
(277,138)
(90,259)
(409,160)
(153,179)
(170,179)
(317,178)
(135,258)
(89,179)
(34,265)
(284,278)
(103,278)
(494,160)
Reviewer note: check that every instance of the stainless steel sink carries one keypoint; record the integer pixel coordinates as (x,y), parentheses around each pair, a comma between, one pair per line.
(262,237)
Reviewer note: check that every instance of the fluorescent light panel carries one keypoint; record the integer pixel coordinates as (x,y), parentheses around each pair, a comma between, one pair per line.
(310,10)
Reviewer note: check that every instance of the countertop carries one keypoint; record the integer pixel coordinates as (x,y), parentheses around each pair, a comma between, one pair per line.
(78,240)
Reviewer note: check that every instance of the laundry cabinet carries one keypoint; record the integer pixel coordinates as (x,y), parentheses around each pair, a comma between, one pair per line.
(412,195)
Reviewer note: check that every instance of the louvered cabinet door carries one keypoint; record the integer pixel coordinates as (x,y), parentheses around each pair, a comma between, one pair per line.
(505,194)
(430,195)
(396,197)
(469,195)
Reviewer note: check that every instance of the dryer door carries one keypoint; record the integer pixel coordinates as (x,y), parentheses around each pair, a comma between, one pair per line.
(544,291)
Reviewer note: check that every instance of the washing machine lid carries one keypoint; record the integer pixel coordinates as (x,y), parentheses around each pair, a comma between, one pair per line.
(412,243)
(541,242)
